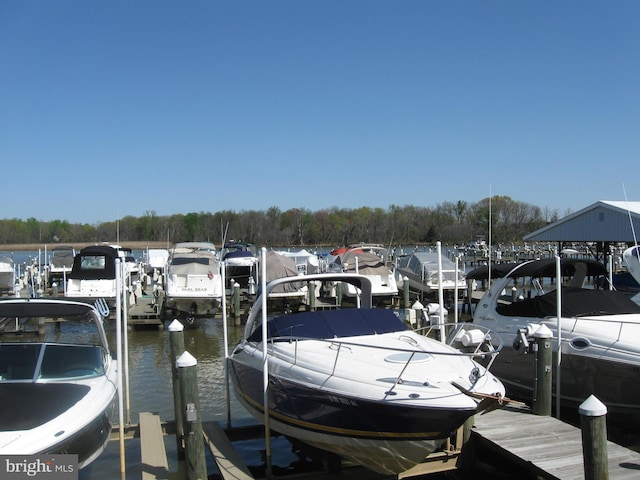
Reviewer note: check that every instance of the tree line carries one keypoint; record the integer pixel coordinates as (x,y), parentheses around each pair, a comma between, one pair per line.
(449,222)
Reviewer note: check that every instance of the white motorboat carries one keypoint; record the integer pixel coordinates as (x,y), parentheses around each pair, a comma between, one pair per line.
(57,379)
(7,274)
(358,382)
(368,260)
(193,281)
(423,273)
(599,332)
(61,260)
(240,260)
(93,274)
(60,263)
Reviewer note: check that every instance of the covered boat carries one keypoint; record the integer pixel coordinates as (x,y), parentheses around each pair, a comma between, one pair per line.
(93,274)
(368,260)
(240,261)
(358,382)
(422,271)
(599,332)
(193,281)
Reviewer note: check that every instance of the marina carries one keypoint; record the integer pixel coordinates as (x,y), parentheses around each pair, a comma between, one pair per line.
(233,441)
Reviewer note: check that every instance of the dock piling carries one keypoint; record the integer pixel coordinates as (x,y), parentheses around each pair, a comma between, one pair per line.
(543,373)
(176,342)
(195,461)
(236,303)
(594,439)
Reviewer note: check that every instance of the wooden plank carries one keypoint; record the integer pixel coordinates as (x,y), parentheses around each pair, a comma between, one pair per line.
(152,452)
(227,458)
(548,445)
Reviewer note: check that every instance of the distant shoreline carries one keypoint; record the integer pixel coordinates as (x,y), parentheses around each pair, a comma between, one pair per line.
(26,247)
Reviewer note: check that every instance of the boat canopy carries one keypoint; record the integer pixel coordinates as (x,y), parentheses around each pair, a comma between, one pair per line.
(322,325)
(279,266)
(368,263)
(94,263)
(198,262)
(576,302)
(540,268)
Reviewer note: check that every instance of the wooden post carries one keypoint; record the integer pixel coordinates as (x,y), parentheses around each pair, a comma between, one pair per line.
(405,291)
(195,461)
(176,342)
(593,422)
(543,357)
(236,303)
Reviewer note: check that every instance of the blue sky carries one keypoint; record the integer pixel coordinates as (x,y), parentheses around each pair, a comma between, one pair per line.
(115,108)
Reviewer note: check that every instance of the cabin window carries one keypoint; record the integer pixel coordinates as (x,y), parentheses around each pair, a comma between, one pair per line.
(93,262)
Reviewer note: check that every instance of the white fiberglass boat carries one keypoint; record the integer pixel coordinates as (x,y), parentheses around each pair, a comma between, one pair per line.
(358,382)
(599,332)
(193,281)
(57,379)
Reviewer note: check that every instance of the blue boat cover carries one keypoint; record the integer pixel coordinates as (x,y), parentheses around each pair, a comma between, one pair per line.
(327,324)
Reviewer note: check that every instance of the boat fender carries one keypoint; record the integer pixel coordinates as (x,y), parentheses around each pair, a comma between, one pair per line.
(473,338)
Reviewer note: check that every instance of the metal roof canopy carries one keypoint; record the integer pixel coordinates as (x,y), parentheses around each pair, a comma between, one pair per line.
(604,221)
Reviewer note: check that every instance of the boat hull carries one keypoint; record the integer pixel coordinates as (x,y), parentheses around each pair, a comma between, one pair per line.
(581,376)
(74,419)
(385,437)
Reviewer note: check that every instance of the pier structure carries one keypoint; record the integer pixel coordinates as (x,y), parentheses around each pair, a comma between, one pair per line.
(509,440)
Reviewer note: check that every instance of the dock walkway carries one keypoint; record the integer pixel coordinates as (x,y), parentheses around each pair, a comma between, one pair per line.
(546,446)
(146,311)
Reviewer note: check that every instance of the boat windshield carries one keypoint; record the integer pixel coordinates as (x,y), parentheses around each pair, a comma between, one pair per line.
(33,361)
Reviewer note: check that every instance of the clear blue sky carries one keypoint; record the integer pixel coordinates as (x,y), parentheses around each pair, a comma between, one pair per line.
(115,108)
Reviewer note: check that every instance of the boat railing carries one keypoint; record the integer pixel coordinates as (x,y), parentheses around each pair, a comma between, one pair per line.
(474,342)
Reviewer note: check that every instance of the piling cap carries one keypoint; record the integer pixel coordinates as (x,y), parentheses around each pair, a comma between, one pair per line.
(186,360)
(175,326)
(592,407)
(543,332)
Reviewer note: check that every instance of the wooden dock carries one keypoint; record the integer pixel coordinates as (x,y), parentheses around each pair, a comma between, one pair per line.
(514,438)
(146,311)
(545,446)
